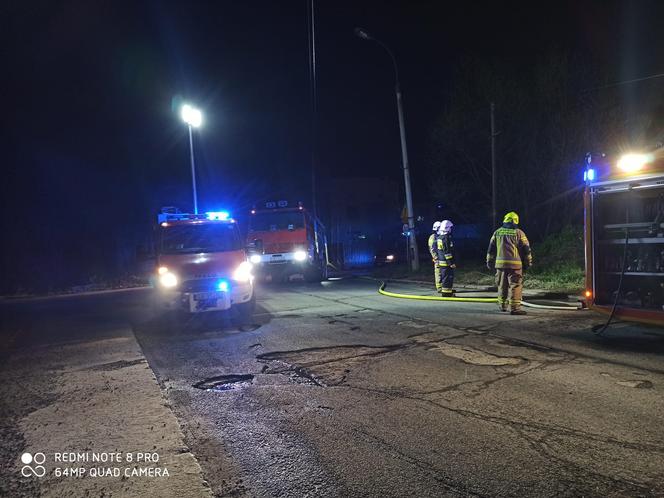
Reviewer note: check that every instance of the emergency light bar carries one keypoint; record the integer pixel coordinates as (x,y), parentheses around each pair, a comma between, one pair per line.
(217,215)
(172,214)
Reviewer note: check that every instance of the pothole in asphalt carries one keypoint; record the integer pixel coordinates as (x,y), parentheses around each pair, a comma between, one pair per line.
(116,365)
(414,324)
(225,382)
(321,366)
(636,384)
(476,357)
(249,327)
(295,374)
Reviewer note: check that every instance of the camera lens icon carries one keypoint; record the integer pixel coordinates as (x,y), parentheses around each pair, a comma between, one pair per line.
(38,459)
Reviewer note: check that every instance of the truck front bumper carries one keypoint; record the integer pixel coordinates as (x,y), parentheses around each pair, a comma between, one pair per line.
(206,300)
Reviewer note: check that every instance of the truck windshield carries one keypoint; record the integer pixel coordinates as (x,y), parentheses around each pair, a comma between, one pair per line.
(271,222)
(206,237)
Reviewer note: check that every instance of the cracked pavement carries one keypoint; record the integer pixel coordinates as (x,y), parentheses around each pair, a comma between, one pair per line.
(335,390)
(355,394)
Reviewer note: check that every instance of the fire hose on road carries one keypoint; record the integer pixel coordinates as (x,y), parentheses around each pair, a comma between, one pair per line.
(381,290)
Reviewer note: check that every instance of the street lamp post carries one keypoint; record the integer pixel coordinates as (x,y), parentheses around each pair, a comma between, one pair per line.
(194,118)
(415,262)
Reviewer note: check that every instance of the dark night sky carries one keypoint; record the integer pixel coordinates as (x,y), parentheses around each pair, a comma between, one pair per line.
(89,86)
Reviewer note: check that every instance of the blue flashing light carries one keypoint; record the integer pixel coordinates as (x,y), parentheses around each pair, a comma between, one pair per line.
(222,285)
(218,215)
(589,175)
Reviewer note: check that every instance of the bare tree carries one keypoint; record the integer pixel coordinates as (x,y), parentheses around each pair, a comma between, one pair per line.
(546,120)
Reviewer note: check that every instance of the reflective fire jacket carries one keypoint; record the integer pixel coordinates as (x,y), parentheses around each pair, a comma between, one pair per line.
(432,246)
(509,248)
(445,250)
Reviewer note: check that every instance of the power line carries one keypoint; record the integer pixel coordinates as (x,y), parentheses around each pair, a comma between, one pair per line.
(626,82)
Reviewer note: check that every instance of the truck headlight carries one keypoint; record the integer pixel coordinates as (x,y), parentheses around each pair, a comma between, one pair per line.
(168,279)
(255,258)
(300,255)
(243,272)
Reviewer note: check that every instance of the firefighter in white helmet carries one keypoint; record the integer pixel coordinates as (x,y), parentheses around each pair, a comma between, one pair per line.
(446,262)
(433,250)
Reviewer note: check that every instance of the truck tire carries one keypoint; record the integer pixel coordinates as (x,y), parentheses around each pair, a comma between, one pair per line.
(316,274)
(243,313)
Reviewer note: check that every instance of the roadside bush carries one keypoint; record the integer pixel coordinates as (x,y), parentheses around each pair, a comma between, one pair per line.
(559,261)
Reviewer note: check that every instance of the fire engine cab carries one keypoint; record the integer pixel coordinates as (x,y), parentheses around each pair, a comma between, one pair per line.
(287,240)
(624,235)
(202,263)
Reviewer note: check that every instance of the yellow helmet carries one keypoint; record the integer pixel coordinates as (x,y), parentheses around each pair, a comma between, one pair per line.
(511,217)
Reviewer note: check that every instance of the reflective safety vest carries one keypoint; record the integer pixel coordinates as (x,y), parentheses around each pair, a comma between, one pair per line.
(445,250)
(509,248)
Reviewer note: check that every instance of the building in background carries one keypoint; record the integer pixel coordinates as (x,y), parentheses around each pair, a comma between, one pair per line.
(363,216)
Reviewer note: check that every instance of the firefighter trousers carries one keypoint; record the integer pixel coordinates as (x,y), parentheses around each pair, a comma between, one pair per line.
(510,287)
(436,274)
(446,280)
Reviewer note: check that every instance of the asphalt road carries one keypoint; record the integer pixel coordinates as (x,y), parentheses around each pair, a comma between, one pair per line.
(335,390)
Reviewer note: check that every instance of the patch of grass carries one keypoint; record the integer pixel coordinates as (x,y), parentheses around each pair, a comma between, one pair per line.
(476,275)
(559,262)
(563,278)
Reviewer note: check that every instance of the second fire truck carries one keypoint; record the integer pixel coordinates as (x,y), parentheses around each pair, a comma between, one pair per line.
(287,240)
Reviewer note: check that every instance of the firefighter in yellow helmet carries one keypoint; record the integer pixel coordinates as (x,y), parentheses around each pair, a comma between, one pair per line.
(445,249)
(509,253)
(433,250)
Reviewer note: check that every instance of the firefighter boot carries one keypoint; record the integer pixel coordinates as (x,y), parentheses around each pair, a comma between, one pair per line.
(518,311)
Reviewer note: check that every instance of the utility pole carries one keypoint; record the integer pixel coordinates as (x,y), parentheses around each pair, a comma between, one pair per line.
(493,166)
(194,118)
(312,83)
(193,170)
(412,241)
(415,261)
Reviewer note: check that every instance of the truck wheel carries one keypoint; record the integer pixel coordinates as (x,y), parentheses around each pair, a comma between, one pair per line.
(242,313)
(315,275)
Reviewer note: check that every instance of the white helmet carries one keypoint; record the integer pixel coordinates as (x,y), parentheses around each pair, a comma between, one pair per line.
(436,226)
(446,226)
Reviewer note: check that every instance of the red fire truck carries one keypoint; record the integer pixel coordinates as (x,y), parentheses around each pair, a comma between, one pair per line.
(287,240)
(202,264)
(624,236)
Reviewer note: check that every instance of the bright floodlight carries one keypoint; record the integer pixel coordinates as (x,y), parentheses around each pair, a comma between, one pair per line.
(631,163)
(191,116)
